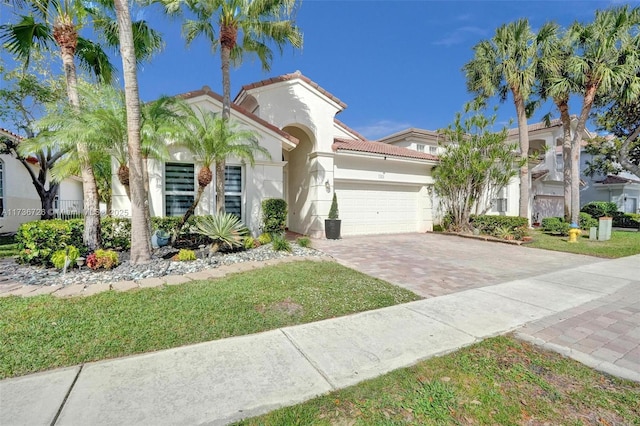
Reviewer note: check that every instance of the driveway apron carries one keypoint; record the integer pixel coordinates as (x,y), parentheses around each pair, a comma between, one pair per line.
(433,265)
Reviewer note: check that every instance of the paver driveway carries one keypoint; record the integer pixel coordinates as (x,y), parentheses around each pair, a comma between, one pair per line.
(434,264)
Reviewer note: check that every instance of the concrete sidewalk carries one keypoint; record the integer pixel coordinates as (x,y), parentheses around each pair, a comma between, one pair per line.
(226,380)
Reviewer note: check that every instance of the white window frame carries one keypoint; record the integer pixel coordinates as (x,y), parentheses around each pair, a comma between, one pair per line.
(176,193)
(236,193)
(433,150)
(500,204)
(559,163)
(420,147)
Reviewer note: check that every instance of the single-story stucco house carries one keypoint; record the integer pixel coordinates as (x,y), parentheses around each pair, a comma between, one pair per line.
(19,201)
(381,188)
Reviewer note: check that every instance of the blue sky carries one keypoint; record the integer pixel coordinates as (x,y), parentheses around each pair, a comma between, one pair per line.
(396,64)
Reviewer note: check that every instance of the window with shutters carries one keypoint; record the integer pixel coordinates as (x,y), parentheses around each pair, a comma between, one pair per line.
(233,190)
(179,188)
(499,204)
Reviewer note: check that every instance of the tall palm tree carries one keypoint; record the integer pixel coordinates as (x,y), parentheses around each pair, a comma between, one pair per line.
(556,82)
(60,23)
(606,59)
(239,27)
(507,64)
(211,139)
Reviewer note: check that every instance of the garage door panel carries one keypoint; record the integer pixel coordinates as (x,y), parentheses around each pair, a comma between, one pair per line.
(377,209)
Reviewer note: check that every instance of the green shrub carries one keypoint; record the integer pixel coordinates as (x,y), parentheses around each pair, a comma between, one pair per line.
(116,233)
(520,232)
(438,228)
(333,210)
(597,209)
(106,259)
(627,220)
(489,224)
(503,232)
(585,221)
(59,258)
(250,242)
(280,243)
(225,230)
(186,255)
(38,240)
(264,238)
(555,225)
(274,215)
(304,242)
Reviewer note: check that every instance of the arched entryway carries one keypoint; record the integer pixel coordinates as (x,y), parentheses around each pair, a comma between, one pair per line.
(297,179)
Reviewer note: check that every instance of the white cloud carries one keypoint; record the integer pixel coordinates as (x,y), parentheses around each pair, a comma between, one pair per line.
(382,128)
(460,35)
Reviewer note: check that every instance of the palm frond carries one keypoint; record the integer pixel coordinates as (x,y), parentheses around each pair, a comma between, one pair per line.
(21,38)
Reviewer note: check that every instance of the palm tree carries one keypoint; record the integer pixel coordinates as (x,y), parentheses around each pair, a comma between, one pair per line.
(502,65)
(555,82)
(605,60)
(61,22)
(256,23)
(211,139)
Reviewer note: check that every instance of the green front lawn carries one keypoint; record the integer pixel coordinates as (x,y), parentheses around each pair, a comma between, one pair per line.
(44,332)
(500,381)
(622,243)
(8,246)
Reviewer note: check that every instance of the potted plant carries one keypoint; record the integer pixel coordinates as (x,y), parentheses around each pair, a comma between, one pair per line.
(332,224)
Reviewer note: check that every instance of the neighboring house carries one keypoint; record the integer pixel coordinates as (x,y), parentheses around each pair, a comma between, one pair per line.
(622,189)
(380,188)
(19,201)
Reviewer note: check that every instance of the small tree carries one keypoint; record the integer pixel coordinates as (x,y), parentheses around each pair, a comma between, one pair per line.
(333,211)
(476,164)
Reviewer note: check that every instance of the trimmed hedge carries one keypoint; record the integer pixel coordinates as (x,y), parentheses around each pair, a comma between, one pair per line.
(555,225)
(586,221)
(597,209)
(627,220)
(489,224)
(38,240)
(274,215)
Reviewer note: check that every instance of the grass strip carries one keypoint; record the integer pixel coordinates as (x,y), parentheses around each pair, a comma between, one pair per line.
(43,332)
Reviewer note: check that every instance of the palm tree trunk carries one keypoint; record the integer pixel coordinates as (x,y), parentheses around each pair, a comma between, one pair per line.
(187,214)
(220,168)
(566,156)
(91,234)
(145,178)
(525,178)
(225,53)
(587,103)
(625,153)
(140,237)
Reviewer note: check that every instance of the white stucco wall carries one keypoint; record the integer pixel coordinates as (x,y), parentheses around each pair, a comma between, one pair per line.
(264,180)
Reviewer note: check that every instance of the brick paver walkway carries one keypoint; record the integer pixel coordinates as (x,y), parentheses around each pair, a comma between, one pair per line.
(434,265)
(604,333)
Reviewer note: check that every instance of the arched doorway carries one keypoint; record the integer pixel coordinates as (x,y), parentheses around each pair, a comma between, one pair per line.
(298,180)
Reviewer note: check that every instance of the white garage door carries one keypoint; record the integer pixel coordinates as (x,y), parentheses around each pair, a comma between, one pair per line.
(377,209)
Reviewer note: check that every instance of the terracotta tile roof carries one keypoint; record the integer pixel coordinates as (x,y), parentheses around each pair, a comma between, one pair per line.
(537,126)
(206,91)
(613,179)
(349,129)
(289,77)
(10,134)
(379,148)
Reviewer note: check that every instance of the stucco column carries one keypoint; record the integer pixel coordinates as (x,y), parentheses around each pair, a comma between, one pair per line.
(321,187)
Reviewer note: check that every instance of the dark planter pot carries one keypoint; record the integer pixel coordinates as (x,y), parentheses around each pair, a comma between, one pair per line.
(332,229)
